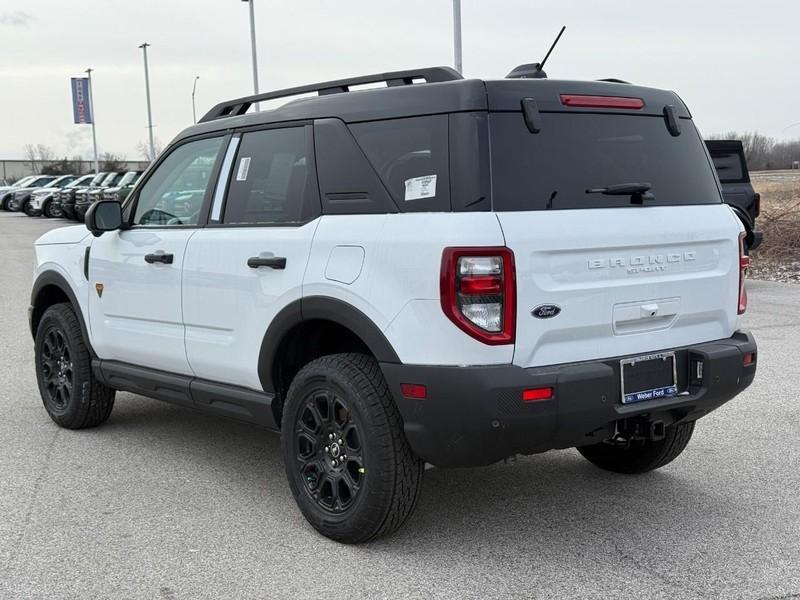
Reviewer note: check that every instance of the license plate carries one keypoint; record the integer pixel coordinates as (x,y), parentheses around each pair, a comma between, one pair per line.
(648,377)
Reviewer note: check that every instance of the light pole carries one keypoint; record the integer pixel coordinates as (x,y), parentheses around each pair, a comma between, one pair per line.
(253,47)
(194,89)
(147,93)
(91,111)
(457,35)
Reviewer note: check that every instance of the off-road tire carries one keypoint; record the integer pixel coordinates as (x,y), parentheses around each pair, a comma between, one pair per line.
(640,456)
(89,402)
(390,485)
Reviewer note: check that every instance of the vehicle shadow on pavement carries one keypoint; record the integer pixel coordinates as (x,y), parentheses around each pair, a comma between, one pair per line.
(556,501)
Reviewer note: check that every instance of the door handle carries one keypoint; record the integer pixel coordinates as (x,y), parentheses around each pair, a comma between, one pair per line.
(273,262)
(158,257)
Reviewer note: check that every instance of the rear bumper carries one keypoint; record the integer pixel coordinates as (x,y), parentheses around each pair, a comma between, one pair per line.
(475,415)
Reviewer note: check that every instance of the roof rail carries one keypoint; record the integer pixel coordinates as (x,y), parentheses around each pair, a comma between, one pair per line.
(239,106)
(614,80)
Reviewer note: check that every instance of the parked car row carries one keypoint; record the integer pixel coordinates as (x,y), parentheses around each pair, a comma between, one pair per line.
(68,196)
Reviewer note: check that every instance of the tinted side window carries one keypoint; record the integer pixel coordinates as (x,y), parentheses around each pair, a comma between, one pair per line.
(411,158)
(348,183)
(271,179)
(729,166)
(173,195)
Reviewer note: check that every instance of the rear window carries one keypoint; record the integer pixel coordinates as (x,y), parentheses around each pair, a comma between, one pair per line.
(575,152)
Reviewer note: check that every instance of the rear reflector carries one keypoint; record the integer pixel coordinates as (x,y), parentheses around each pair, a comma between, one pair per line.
(537,394)
(413,391)
(601,102)
(748,359)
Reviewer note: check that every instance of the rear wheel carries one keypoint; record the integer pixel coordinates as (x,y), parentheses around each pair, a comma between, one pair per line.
(70,393)
(349,465)
(640,456)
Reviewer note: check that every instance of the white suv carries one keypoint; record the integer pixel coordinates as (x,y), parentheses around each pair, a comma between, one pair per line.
(441,270)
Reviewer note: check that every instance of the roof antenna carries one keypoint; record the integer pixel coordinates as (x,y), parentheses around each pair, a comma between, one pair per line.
(535,70)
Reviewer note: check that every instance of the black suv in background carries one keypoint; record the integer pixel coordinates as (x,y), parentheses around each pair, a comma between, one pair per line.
(121,190)
(85,198)
(731,166)
(68,195)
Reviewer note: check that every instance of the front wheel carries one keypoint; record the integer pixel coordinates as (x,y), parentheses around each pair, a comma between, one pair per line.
(349,466)
(70,393)
(27,208)
(640,456)
(50,210)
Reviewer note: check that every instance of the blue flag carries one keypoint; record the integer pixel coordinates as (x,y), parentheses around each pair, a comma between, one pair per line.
(81,107)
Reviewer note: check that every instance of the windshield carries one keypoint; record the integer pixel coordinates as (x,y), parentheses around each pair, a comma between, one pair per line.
(129,177)
(58,181)
(110,179)
(23,182)
(80,181)
(576,152)
(98,178)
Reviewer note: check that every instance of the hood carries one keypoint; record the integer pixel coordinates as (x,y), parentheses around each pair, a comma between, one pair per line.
(64,235)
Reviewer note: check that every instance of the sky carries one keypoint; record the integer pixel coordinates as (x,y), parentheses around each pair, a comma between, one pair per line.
(734,62)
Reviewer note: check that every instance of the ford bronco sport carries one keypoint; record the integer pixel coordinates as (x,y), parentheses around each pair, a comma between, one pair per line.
(441,270)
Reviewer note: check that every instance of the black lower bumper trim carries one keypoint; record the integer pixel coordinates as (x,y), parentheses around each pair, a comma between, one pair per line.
(475,415)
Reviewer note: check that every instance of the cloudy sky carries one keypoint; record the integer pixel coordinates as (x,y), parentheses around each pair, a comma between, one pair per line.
(734,62)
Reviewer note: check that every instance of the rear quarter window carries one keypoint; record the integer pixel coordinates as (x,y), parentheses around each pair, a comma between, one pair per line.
(575,152)
(411,158)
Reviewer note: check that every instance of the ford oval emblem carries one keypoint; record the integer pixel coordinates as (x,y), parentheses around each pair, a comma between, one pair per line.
(546,311)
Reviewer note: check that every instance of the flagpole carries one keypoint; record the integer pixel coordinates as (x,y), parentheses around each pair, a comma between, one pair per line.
(91,111)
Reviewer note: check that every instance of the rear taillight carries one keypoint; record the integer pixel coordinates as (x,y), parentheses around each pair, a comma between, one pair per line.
(744,264)
(479,292)
(757,204)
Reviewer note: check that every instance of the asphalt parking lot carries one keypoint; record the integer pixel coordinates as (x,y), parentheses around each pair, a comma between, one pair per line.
(161,502)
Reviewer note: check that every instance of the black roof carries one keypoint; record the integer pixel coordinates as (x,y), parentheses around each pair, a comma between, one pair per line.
(443,91)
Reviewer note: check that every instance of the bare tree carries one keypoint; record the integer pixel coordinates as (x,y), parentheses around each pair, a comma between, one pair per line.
(111,162)
(144,149)
(39,156)
(30,155)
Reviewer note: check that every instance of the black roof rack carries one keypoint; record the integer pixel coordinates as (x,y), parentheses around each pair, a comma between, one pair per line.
(239,106)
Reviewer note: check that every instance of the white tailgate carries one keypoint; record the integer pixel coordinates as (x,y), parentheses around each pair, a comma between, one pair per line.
(627,280)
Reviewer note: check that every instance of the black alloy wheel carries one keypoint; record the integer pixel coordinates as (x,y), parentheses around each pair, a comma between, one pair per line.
(55,365)
(329,451)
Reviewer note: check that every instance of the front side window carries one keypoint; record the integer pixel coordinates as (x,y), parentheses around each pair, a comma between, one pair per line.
(271,180)
(174,194)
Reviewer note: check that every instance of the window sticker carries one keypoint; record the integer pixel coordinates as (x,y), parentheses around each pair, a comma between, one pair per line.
(420,187)
(244,167)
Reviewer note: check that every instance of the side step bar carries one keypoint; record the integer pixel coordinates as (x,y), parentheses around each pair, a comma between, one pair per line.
(209,397)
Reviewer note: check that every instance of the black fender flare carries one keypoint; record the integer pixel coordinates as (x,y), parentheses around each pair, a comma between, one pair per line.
(324,308)
(53,278)
(743,217)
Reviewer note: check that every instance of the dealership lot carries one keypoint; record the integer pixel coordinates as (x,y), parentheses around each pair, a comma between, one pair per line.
(164,503)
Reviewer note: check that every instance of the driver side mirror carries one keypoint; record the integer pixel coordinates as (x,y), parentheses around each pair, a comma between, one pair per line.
(103,215)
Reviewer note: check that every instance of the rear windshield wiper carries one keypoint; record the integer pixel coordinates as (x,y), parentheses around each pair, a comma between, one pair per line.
(621,189)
